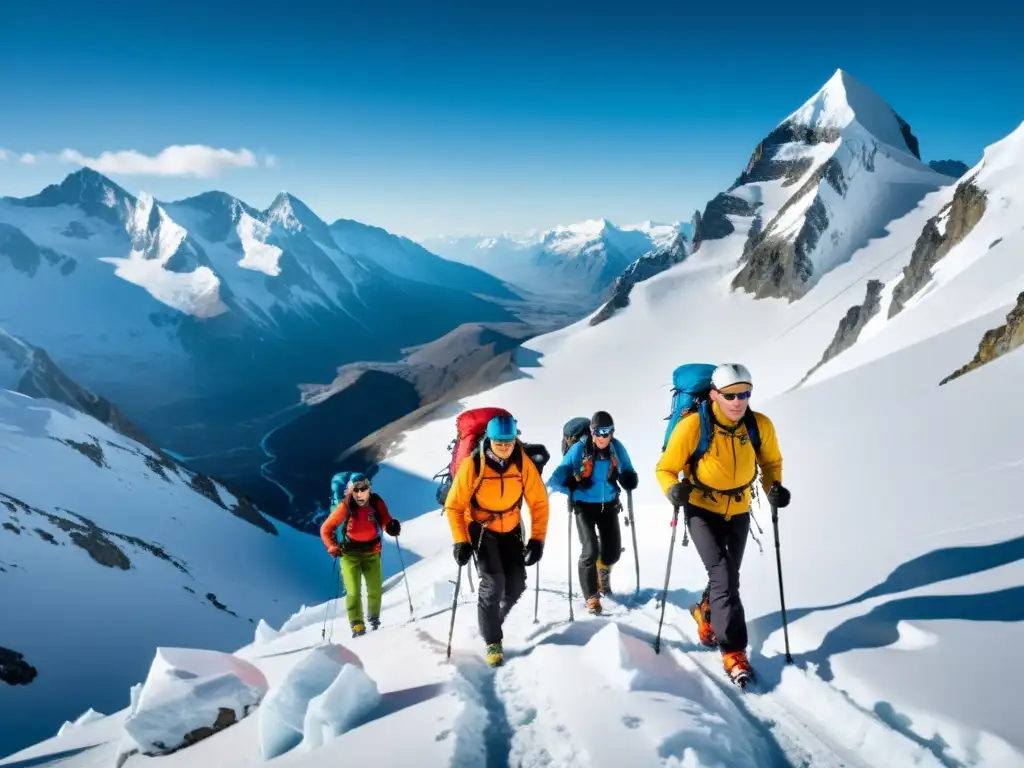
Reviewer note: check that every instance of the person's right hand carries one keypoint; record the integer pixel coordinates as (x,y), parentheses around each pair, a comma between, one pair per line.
(679,493)
(334,551)
(462,551)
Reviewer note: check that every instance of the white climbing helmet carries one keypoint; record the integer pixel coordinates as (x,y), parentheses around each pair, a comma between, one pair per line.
(728,374)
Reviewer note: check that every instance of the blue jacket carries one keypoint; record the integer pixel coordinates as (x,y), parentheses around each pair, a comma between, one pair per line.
(601,490)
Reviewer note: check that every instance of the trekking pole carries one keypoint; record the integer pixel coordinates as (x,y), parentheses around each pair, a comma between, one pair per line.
(405,578)
(472,590)
(668,570)
(782,594)
(536,597)
(455,604)
(569,542)
(333,604)
(632,528)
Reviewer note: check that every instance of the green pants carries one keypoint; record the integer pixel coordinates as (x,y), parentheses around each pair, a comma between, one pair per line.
(354,567)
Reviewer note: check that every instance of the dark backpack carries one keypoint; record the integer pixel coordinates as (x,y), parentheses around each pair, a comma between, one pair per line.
(470,429)
(691,387)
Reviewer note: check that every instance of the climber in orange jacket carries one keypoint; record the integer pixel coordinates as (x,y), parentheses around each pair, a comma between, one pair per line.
(483,509)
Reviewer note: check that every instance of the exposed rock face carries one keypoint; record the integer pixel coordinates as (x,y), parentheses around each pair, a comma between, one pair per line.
(765,166)
(996,342)
(100,544)
(644,268)
(14,670)
(780,266)
(714,223)
(954,168)
(960,217)
(851,326)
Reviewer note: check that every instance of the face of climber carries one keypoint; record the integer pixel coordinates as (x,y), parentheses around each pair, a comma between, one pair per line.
(733,400)
(503,448)
(602,437)
(361,492)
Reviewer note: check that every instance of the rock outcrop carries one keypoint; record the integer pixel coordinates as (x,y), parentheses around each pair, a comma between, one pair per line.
(996,342)
(14,670)
(644,268)
(851,326)
(954,168)
(938,237)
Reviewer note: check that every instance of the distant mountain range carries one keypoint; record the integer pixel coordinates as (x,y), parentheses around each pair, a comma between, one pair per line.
(578,261)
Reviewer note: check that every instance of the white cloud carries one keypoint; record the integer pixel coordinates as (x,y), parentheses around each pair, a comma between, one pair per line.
(29,159)
(4,154)
(177,160)
(271,161)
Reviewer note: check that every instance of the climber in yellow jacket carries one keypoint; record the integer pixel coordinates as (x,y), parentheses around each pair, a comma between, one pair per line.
(483,508)
(715,498)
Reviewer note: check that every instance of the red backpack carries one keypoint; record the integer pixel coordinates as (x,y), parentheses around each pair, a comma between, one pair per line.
(470,429)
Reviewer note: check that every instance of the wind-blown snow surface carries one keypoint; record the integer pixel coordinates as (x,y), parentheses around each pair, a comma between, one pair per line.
(902,555)
(108,550)
(581,259)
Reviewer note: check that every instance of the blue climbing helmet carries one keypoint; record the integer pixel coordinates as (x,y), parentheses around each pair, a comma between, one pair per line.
(502,429)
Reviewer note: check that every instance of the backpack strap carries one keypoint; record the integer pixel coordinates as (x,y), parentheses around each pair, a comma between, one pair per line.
(515,459)
(708,423)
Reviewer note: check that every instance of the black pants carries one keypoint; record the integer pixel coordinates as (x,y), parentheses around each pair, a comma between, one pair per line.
(598,527)
(501,564)
(720,544)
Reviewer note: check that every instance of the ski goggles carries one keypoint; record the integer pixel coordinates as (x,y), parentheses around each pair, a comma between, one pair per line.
(604,431)
(735,395)
(360,485)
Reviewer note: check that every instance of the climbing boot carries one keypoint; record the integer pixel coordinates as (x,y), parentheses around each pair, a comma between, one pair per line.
(737,667)
(495,655)
(594,605)
(358,629)
(701,613)
(604,578)
(374,623)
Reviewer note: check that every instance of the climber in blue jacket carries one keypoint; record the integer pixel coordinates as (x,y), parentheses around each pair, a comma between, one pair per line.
(590,474)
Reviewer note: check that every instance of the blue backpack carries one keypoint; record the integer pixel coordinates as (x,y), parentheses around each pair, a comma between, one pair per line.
(691,386)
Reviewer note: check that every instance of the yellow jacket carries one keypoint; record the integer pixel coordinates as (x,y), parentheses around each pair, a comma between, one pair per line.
(729,461)
(499,497)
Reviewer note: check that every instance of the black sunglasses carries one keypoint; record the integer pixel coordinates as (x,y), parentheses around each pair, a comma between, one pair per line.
(734,395)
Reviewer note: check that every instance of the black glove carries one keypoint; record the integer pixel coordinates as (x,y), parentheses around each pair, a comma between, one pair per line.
(570,483)
(583,482)
(679,493)
(628,479)
(534,550)
(778,496)
(393,527)
(463,552)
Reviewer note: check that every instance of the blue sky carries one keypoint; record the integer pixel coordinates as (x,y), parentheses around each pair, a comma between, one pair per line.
(481,117)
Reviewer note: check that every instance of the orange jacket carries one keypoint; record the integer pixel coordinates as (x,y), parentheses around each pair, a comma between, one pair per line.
(496,497)
(360,528)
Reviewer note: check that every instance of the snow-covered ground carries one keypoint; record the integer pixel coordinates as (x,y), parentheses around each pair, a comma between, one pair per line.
(902,554)
(107,550)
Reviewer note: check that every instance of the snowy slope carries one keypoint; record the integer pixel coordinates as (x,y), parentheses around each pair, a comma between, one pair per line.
(402,256)
(900,560)
(831,176)
(107,549)
(581,259)
(965,254)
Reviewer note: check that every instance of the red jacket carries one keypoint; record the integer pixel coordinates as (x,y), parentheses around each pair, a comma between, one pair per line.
(360,533)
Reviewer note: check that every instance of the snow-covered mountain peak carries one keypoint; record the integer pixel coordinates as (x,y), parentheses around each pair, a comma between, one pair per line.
(288,212)
(823,182)
(843,103)
(89,191)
